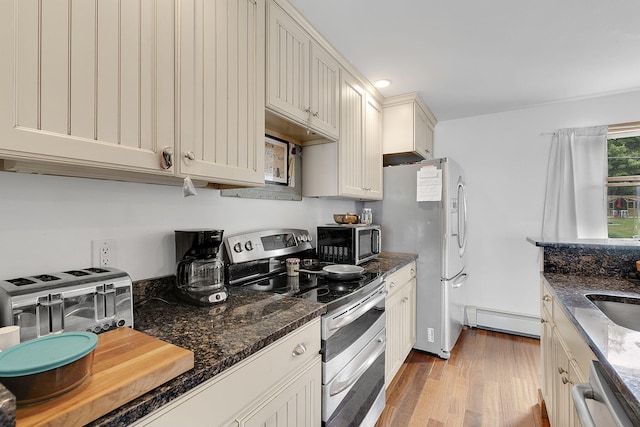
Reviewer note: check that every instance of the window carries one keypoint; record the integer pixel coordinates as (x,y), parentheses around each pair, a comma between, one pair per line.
(623,195)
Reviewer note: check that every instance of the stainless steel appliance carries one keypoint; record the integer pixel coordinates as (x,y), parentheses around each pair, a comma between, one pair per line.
(424,211)
(348,243)
(89,299)
(596,402)
(353,329)
(199,270)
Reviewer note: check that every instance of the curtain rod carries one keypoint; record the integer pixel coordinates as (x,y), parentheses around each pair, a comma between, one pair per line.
(612,129)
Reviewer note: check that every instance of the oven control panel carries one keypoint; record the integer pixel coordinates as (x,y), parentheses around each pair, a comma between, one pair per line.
(265,244)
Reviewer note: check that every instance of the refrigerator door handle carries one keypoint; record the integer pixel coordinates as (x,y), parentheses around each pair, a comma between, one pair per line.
(459,280)
(462,218)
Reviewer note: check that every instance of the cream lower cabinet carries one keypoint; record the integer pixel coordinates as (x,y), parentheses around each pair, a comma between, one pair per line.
(400,313)
(278,386)
(565,359)
(92,87)
(352,167)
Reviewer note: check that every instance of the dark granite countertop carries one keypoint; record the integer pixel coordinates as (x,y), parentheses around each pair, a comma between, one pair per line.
(616,347)
(586,243)
(220,336)
(389,262)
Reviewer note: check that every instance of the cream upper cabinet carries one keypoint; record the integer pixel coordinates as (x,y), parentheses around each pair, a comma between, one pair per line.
(352,167)
(373,148)
(221,90)
(141,90)
(302,77)
(408,128)
(88,83)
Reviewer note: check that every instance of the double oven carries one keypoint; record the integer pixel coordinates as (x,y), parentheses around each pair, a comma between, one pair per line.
(353,328)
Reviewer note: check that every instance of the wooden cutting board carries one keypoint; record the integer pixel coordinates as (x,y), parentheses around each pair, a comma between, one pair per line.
(126,364)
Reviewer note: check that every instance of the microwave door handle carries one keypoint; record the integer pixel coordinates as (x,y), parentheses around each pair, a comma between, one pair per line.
(375,241)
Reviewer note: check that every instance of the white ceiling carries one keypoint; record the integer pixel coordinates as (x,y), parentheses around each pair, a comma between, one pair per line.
(475,57)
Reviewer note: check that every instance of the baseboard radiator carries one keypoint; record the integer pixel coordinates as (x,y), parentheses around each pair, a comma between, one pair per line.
(502,321)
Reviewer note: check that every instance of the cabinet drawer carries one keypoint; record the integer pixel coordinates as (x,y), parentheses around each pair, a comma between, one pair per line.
(398,278)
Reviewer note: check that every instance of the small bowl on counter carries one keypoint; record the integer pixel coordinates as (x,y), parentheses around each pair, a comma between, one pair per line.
(46,367)
(349,218)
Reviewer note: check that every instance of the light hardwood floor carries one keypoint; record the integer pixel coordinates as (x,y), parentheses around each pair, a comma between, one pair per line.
(492,379)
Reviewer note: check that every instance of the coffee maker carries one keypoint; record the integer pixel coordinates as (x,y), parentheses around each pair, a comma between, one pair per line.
(199,270)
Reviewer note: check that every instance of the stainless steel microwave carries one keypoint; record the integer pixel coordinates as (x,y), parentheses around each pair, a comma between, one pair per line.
(348,244)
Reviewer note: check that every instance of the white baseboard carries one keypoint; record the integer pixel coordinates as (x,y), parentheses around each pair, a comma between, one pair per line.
(503,321)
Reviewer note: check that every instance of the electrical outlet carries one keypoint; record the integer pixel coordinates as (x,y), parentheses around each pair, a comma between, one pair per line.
(104,253)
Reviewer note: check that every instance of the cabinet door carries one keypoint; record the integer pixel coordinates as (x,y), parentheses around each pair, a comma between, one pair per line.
(221,90)
(547,360)
(88,83)
(352,137)
(561,387)
(287,66)
(296,404)
(421,124)
(324,91)
(400,311)
(412,307)
(372,167)
(394,321)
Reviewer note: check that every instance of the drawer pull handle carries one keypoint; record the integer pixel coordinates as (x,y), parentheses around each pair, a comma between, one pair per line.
(413,272)
(299,350)
(561,370)
(546,298)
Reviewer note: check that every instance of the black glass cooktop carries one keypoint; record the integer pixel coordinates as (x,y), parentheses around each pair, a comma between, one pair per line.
(315,287)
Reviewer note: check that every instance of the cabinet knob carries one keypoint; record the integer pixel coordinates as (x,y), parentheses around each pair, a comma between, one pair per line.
(413,272)
(561,370)
(546,298)
(299,350)
(566,380)
(405,299)
(190,155)
(316,114)
(166,160)
(392,284)
(542,320)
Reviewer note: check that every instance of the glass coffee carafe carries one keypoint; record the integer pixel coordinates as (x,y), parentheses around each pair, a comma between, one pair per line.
(199,271)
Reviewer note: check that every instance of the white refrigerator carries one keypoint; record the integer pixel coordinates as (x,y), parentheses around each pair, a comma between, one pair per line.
(424,211)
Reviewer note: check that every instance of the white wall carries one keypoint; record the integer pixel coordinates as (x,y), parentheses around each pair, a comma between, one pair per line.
(47,223)
(505,159)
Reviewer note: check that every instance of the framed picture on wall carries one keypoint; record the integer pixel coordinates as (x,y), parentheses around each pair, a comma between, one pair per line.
(276,162)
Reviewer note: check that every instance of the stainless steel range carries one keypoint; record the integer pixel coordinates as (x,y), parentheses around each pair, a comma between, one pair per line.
(89,299)
(353,329)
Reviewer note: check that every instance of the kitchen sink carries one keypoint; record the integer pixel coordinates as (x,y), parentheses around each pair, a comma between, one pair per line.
(624,311)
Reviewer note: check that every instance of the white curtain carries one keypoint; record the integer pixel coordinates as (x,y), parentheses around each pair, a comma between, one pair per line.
(575,204)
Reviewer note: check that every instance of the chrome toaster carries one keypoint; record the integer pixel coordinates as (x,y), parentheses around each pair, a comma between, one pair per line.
(89,299)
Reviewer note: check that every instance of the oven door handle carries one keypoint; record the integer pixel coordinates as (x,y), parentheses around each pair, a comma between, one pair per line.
(339,385)
(345,319)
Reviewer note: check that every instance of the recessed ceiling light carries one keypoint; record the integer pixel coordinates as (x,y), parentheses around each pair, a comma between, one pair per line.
(382,83)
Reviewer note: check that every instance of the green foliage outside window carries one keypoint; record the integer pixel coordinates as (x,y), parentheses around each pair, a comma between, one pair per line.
(623,201)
